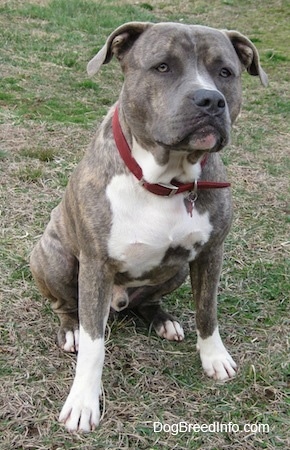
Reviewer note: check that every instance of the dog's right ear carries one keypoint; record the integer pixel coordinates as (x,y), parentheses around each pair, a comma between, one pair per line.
(118,43)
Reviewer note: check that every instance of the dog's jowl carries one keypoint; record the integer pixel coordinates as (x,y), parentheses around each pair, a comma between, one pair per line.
(149,203)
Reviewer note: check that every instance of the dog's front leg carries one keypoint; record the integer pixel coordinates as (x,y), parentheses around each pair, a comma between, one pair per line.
(205,272)
(81,410)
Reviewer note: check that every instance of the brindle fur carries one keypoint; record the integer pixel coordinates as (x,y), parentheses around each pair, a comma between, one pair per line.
(70,263)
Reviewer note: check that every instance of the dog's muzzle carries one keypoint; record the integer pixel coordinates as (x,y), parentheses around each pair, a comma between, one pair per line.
(202,124)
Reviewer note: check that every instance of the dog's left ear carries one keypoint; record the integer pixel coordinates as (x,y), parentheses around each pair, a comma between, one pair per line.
(118,43)
(248,54)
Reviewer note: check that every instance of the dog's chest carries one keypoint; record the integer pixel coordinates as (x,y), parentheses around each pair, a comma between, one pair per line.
(145,226)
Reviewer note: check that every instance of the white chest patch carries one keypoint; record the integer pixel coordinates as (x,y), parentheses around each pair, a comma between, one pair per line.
(145,226)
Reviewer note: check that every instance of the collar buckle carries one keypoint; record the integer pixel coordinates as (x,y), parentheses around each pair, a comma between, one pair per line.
(141,181)
(168,190)
(172,189)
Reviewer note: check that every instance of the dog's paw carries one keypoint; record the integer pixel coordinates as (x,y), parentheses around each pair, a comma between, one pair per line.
(71,341)
(219,365)
(170,330)
(80,412)
(68,337)
(216,361)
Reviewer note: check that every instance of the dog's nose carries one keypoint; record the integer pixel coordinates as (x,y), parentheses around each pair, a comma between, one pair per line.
(210,101)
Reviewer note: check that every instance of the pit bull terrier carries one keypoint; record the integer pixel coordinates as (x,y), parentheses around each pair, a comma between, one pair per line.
(149,202)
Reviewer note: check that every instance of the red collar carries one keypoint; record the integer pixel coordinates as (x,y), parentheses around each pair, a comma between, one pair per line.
(157,189)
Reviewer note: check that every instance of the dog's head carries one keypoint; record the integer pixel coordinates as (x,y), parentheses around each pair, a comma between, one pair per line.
(182,87)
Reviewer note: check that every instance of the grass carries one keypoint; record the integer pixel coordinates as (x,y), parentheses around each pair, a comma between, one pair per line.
(48,112)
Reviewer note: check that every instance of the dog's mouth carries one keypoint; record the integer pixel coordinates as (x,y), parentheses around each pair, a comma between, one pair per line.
(207,139)
(204,139)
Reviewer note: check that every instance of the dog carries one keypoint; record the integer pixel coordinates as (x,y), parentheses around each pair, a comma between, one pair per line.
(149,203)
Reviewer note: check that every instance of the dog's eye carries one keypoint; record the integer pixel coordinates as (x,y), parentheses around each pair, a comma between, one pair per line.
(225,73)
(162,68)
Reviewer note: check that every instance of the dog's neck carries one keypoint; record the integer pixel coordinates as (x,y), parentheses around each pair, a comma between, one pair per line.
(177,167)
(160,165)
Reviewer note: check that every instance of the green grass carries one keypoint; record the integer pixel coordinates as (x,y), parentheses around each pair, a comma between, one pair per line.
(49,109)
(43,154)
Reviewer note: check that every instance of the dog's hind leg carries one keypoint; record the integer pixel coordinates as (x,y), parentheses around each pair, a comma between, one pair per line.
(55,272)
(146,303)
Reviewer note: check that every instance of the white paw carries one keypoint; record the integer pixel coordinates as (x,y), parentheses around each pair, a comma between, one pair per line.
(219,366)
(71,341)
(81,411)
(172,331)
(216,361)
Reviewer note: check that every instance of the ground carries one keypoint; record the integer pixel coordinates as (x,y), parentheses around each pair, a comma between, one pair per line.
(49,110)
